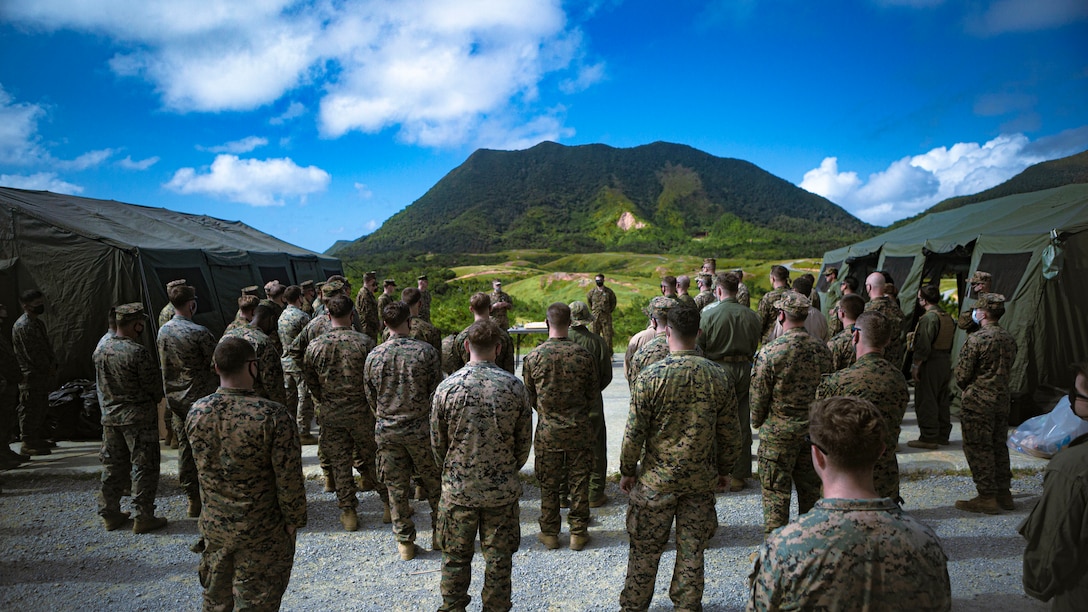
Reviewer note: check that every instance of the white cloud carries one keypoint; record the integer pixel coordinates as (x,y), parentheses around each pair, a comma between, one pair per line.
(372,225)
(129,164)
(912,184)
(19,143)
(296,109)
(586,78)
(251,181)
(1003,16)
(363,191)
(244,145)
(89,159)
(42,181)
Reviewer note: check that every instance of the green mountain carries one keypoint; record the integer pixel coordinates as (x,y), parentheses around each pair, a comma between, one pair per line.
(656,198)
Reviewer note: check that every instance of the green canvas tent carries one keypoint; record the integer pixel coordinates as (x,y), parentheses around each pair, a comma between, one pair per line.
(87,255)
(1036,247)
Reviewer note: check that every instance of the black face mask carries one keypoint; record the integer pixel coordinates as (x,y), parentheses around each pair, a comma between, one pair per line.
(600,283)
(256,371)
(139,329)
(39,309)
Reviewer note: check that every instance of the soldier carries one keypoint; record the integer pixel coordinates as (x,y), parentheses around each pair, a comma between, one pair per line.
(419,328)
(854,550)
(880,301)
(710,267)
(875,379)
(834,292)
(501,304)
(34,352)
(658,347)
(982,372)
(784,380)
(602,302)
(683,427)
(269,383)
(848,286)
(250,465)
(424,298)
(780,282)
(730,337)
(10,378)
(309,294)
(743,297)
(706,293)
(809,286)
(388,296)
(580,318)
(333,368)
(979,283)
(130,386)
(317,306)
(561,380)
(290,324)
(668,286)
(247,305)
(400,377)
(367,306)
(480,307)
(683,284)
(816,323)
(841,345)
(185,356)
(636,342)
(167,311)
(931,371)
(481,431)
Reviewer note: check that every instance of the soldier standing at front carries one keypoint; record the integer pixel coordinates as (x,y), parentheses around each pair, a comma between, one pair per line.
(480,307)
(561,380)
(602,302)
(424,298)
(367,305)
(932,370)
(983,373)
(683,426)
(580,317)
(481,432)
(250,465)
(780,283)
(501,304)
(34,352)
(130,386)
(388,296)
(784,380)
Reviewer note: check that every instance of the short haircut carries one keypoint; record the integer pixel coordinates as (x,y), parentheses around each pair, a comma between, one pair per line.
(336,277)
(849,430)
(1079,369)
(232,353)
(795,317)
(248,303)
(876,329)
(480,302)
(684,321)
(292,293)
(851,283)
(179,295)
(852,306)
(264,312)
(669,280)
(275,290)
(396,313)
(111,318)
(931,294)
(339,305)
(559,314)
(29,296)
(484,334)
(684,281)
(729,281)
(781,273)
(803,285)
(411,295)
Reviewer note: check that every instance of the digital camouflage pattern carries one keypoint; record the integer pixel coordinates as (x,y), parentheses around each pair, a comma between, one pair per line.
(888,307)
(602,357)
(420,329)
(250,464)
(425,305)
(367,307)
(166,314)
(686,300)
(636,342)
(501,316)
(505,359)
(269,383)
(653,351)
(874,378)
(318,325)
(743,297)
(384,300)
(843,351)
(983,373)
(785,376)
(500,537)
(602,302)
(851,554)
(290,325)
(38,364)
(705,298)
(768,314)
(932,395)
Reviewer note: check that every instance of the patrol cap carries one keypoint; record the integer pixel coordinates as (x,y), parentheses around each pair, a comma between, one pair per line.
(980,277)
(372,275)
(251,290)
(793,303)
(421,277)
(661,305)
(331,288)
(711,261)
(126,313)
(706,279)
(389,282)
(831,270)
(175,283)
(993,302)
(306,284)
(580,314)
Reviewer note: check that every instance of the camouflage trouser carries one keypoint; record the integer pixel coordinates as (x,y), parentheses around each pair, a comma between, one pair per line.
(398,460)
(785,462)
(299,402)
(985,427)
(886,474)
(500,538)
(187,476)
(345,447)
(130,455)
(740,374)
(649,521)
(598,477)
(33,409)
(602,326)
(247,576)
(933,397)
(552,469)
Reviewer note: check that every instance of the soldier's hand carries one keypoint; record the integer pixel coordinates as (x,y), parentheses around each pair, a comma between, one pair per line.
(627,483)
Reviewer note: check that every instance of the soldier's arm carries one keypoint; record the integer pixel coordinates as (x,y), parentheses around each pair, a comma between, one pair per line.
(150,376)
(965,367)
(310,375)
(762,582)
(727,428)
(440,441)
(604,369)
(287,464)
(924,336)
(523,432)
(527,366)
(634,433)
(611,300)
(762,386)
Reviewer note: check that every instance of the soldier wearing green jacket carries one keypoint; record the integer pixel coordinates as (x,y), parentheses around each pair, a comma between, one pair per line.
(931,370)
(581,318)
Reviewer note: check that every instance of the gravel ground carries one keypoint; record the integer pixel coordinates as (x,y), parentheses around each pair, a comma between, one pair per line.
(59,557)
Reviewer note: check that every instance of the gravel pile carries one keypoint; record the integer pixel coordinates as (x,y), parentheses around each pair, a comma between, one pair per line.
(58,556)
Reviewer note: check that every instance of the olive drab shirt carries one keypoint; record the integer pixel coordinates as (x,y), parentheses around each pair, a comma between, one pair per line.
(129,382)
(400,376)
(33,351)
(934,332)
(561,381)
(185,356)
(729,330)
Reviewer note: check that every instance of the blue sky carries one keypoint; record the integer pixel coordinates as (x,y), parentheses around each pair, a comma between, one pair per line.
(317,120)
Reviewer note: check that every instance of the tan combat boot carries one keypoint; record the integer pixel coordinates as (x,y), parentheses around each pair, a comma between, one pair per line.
(194,507)
(145,524)
(551,542)
(407,550)
(984,504)
(578,541)
(115,520)
(349,519)
(1004,501)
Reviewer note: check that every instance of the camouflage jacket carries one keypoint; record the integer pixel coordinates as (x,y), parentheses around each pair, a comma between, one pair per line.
(682,424)
(290,325)
(33,351)
(367,307)
(425,306)
(384,300)
(481,433)
(420,329)
(743,297)
(890,309)
(249,463)
(269,383)
(873,378)
(985,365)
(602,353)
(653,351)
(319,324)
(767,311)
(239,321)
(501,316)
(185,356)
(784,379)
(460,356)
(561,380)
(851,554)
(129,382)
(729,330)
(400,378)
(636,342)
(166,314)
(602,301)
(333,369)
(686,300)
(704,299)
(843,351)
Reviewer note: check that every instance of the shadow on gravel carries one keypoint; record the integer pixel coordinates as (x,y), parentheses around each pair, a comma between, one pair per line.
(731,536)
(89,569)
(988,602)
(959,548)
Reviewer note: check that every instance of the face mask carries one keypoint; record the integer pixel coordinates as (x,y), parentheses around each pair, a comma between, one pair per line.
(600,283)
(254,370)
(139,329)
(39,309)
(975,316)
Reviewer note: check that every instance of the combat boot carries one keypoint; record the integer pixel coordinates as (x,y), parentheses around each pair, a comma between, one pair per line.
(737,484)
(33,450)
(550,542)
(407,550)
(145,524)
(115,520)
(387,514)
(330,483)
(349,519)
(307,439)
(984,504)
(194,506)
(1004,501)
(578,541)
(599,500)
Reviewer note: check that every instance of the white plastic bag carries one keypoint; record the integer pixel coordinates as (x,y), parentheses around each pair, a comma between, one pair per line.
(1046,434)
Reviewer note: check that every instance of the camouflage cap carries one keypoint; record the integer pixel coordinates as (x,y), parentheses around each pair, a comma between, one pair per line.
(830,270)
(331,288)
(372,275)
(421,277)
(710,260)
(706,279)
(580,314)
(306,285)
(175,283)
(793,303)
(389,282)
(126,313)
(660,306)
(980,277)
(251,290)
(990,301)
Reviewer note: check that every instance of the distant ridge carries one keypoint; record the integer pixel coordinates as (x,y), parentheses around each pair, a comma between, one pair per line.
(655,198)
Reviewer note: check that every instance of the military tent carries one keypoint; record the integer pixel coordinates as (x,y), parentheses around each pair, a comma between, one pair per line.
(87,255)
(1036,247)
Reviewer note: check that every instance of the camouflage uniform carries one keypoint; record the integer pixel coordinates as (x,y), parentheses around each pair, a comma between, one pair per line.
(505,360)
(890,308)
(686,300)
(185,356)
(269,383)
(384,300)
(166,314)
(250,464)
(333,368)
(653,351)
(501,317)
(767,311)
(683,426)
(784,380)
(730,338)
(239,321)
(843,351)
(34,352)
(602,301)
(400,376)
(130,387)
(481,432)
(367,307)
(983,373)
(420,329)
(425,305)
(274,334)
(705,298)
(851,554)
(602,357)
(932,395)
(636,342)
(290,325)
(743,297)
(874,378)
(561,380)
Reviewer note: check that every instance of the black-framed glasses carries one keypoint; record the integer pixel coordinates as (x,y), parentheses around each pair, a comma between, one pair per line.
(1075,395)
(855,328)
(808,440)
